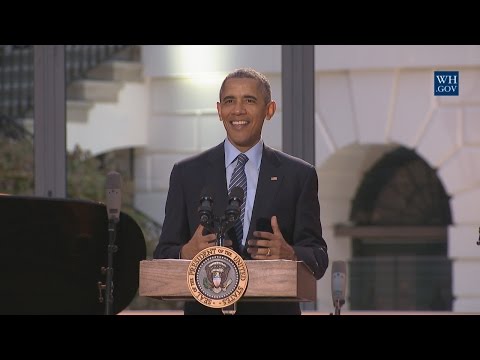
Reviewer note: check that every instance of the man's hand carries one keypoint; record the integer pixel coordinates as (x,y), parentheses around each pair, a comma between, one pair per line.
(198,242)
(268,245)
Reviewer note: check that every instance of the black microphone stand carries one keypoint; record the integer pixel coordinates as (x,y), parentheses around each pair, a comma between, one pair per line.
(224,225)
(338,305)
(220,226)
(112,248)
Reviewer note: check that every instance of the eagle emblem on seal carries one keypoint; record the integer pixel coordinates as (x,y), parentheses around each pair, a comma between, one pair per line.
(217,277)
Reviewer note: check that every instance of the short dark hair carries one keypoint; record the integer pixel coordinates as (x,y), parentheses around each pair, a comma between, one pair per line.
(250,74)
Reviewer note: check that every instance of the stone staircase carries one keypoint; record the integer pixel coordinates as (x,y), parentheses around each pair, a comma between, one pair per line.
(102,83)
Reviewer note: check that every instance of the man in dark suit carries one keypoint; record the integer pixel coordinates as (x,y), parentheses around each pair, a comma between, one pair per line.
(282,212)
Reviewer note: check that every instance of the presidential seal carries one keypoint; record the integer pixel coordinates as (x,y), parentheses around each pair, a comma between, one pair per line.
(217,277)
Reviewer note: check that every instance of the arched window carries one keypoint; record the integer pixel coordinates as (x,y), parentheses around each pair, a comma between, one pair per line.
(401,212)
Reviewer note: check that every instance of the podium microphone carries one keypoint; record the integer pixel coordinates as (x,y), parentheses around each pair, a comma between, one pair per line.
(339,277)
(205,210)
(114,199)
(114,196)
(234,208)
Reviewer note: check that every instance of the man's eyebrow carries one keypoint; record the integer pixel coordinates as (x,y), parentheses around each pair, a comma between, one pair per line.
(230,97)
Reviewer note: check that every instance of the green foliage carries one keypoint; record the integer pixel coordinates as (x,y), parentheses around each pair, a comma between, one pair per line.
(16,166)
(84,178)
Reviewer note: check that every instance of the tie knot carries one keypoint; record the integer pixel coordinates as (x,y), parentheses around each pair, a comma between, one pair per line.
(242,159)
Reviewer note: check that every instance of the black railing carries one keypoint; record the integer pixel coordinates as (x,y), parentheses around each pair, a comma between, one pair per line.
(81,58)
(16,80)
(401,283)
(16,72)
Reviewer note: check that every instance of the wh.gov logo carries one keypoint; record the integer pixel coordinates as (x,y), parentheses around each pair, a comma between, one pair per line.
(445,83)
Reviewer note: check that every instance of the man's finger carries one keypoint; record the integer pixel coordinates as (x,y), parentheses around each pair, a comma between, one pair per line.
(259,243)
(210,237)
(275,227)
(199,230)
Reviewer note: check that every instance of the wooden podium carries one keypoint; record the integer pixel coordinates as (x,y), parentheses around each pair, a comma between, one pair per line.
(272,280)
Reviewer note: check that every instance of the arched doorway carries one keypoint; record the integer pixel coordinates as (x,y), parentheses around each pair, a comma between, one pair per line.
(399,252)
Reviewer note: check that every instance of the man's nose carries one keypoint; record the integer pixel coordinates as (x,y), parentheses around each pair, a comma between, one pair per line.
(239,109)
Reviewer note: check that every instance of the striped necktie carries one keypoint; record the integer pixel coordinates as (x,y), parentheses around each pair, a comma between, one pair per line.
(240,179)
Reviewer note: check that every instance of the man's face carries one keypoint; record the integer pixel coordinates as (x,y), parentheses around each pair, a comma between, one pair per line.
(242,109)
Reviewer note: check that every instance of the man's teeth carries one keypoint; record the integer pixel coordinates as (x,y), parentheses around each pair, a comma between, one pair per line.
(239,123)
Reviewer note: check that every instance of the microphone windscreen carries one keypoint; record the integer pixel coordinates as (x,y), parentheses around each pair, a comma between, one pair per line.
(113,186)
(207,191)
(237,192)
(114,180)
(339,267)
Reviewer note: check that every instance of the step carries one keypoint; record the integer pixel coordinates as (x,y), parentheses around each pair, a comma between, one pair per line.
(117,71)
(77,110)
(129,53)
(94,90)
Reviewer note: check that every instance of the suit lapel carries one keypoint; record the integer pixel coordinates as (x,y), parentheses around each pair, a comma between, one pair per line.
(269,181)
(215,176)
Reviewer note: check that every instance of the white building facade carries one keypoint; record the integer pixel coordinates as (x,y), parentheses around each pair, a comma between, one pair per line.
(368,101)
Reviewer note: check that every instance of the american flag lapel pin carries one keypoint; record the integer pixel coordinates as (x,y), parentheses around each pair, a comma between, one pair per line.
(274,178)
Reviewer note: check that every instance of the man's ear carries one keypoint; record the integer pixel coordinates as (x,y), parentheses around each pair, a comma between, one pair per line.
(218,111)
(271,108)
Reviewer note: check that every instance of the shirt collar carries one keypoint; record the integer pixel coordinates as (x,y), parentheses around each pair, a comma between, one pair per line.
(254,154)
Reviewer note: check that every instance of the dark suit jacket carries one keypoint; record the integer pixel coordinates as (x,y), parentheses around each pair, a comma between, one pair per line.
(293,198)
